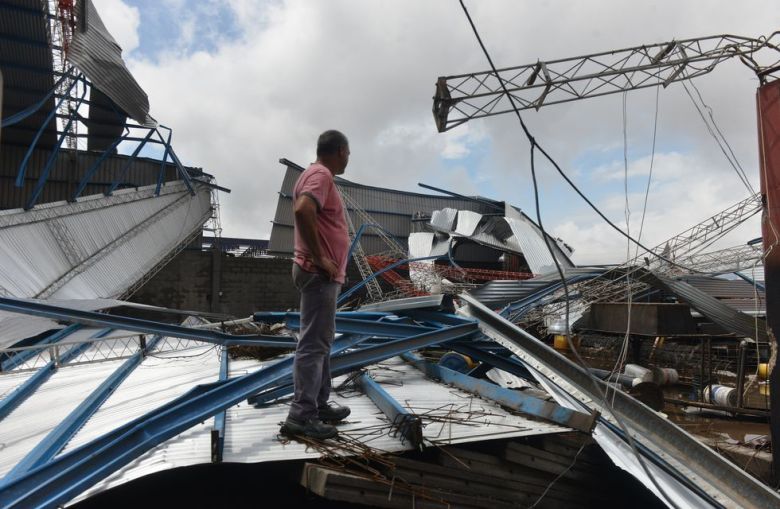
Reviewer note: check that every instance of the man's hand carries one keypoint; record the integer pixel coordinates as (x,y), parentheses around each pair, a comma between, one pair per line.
(329,266)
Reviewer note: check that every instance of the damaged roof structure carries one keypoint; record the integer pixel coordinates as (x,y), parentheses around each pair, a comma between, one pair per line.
(455,401)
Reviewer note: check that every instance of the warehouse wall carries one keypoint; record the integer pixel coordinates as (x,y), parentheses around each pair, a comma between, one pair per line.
(247,284)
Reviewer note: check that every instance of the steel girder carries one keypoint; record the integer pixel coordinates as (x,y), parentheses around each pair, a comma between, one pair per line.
(70,474)
(691,469)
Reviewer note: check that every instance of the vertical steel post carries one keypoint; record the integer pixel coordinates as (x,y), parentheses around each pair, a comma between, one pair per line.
(768,107)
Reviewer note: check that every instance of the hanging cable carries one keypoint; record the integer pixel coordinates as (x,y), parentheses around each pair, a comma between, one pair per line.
(534,147)
(721,141)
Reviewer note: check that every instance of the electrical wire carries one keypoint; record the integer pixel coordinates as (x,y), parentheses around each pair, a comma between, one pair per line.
(721,141)
(534,147)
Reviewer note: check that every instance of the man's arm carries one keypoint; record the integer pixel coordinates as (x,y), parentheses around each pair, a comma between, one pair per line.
(305,210)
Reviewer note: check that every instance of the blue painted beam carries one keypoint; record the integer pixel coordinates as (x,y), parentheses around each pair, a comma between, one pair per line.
(359,326)
(408,425)
(285,387)
(516,400)
(127,164)
(161,175)
(218,431)
(71,473)
(485,356)
(56,440)
(21,357)
(126,323)
(25,390)
(44,175)
(26,159)
(96,165)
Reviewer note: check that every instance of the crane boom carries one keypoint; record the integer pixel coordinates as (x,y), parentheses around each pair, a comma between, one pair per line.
(464,97)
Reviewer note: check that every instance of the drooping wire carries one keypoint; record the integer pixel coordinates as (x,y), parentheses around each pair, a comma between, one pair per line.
(717,135)
(535,146)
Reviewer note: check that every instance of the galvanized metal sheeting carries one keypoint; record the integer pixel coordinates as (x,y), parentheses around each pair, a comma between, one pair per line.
(99,57)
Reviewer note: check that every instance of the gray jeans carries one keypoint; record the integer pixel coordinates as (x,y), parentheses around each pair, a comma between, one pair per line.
(311,368)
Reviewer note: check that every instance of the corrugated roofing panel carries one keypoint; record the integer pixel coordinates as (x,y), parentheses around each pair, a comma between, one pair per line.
(97,247)
(31,421)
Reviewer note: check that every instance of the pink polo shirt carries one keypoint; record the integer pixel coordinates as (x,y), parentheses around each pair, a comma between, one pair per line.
(317,183)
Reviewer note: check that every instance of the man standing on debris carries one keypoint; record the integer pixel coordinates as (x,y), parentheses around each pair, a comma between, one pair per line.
(321,247)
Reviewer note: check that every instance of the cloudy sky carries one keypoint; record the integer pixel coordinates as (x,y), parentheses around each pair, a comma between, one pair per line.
(244,83)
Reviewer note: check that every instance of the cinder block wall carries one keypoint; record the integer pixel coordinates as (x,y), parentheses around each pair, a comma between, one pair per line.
(246,284)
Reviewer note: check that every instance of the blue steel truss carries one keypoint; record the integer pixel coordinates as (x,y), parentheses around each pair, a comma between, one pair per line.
(69,474)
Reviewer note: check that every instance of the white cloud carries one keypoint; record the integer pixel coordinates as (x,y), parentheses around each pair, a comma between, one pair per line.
(369,68)
(122,22)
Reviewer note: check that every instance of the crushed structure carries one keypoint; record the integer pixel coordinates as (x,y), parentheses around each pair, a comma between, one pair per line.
(458,346)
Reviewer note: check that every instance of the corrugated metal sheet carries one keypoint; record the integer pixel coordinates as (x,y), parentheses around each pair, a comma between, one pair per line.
(99,57)
(69,251)
(714,309)
(67,171)
(251,434)
(391,208)
(26,63)
(31,421)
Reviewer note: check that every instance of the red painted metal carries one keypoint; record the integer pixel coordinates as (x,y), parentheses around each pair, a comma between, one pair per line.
(768,107)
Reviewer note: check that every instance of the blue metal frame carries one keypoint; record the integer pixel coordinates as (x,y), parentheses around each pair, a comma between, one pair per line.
(516,400)
(26,389)
(21,357)
(71,473)
(127,164)
(127,323)
(405,422)
(56,440)
(161,176)
(360,326)
(21,115)
(23,166)
(750,280)
(182,170)
(94,168)
(36,192)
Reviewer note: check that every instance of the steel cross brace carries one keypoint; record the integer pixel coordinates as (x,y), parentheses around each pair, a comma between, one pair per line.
(515,400)
(129,324)
(21,357)
(71,473)
(26,389)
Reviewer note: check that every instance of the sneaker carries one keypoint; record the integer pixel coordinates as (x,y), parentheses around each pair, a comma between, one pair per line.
(333,412)
(312,428)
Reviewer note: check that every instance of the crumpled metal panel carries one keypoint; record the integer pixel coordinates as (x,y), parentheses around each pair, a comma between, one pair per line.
(444,219)
(467,222)
(95,52)
(532,244)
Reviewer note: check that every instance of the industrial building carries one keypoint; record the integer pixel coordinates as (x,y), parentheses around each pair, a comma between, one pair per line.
(143,362)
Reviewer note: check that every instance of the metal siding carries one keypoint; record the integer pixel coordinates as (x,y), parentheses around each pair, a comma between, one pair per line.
(35,258)
(390,208)
(67,173)
(28,424)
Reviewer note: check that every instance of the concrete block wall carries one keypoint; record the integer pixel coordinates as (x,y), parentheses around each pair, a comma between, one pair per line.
(242,285)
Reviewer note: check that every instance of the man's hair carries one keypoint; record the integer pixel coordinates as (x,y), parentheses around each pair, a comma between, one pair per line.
(330,142)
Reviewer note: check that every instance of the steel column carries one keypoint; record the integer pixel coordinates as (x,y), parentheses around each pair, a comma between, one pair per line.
(768,106)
